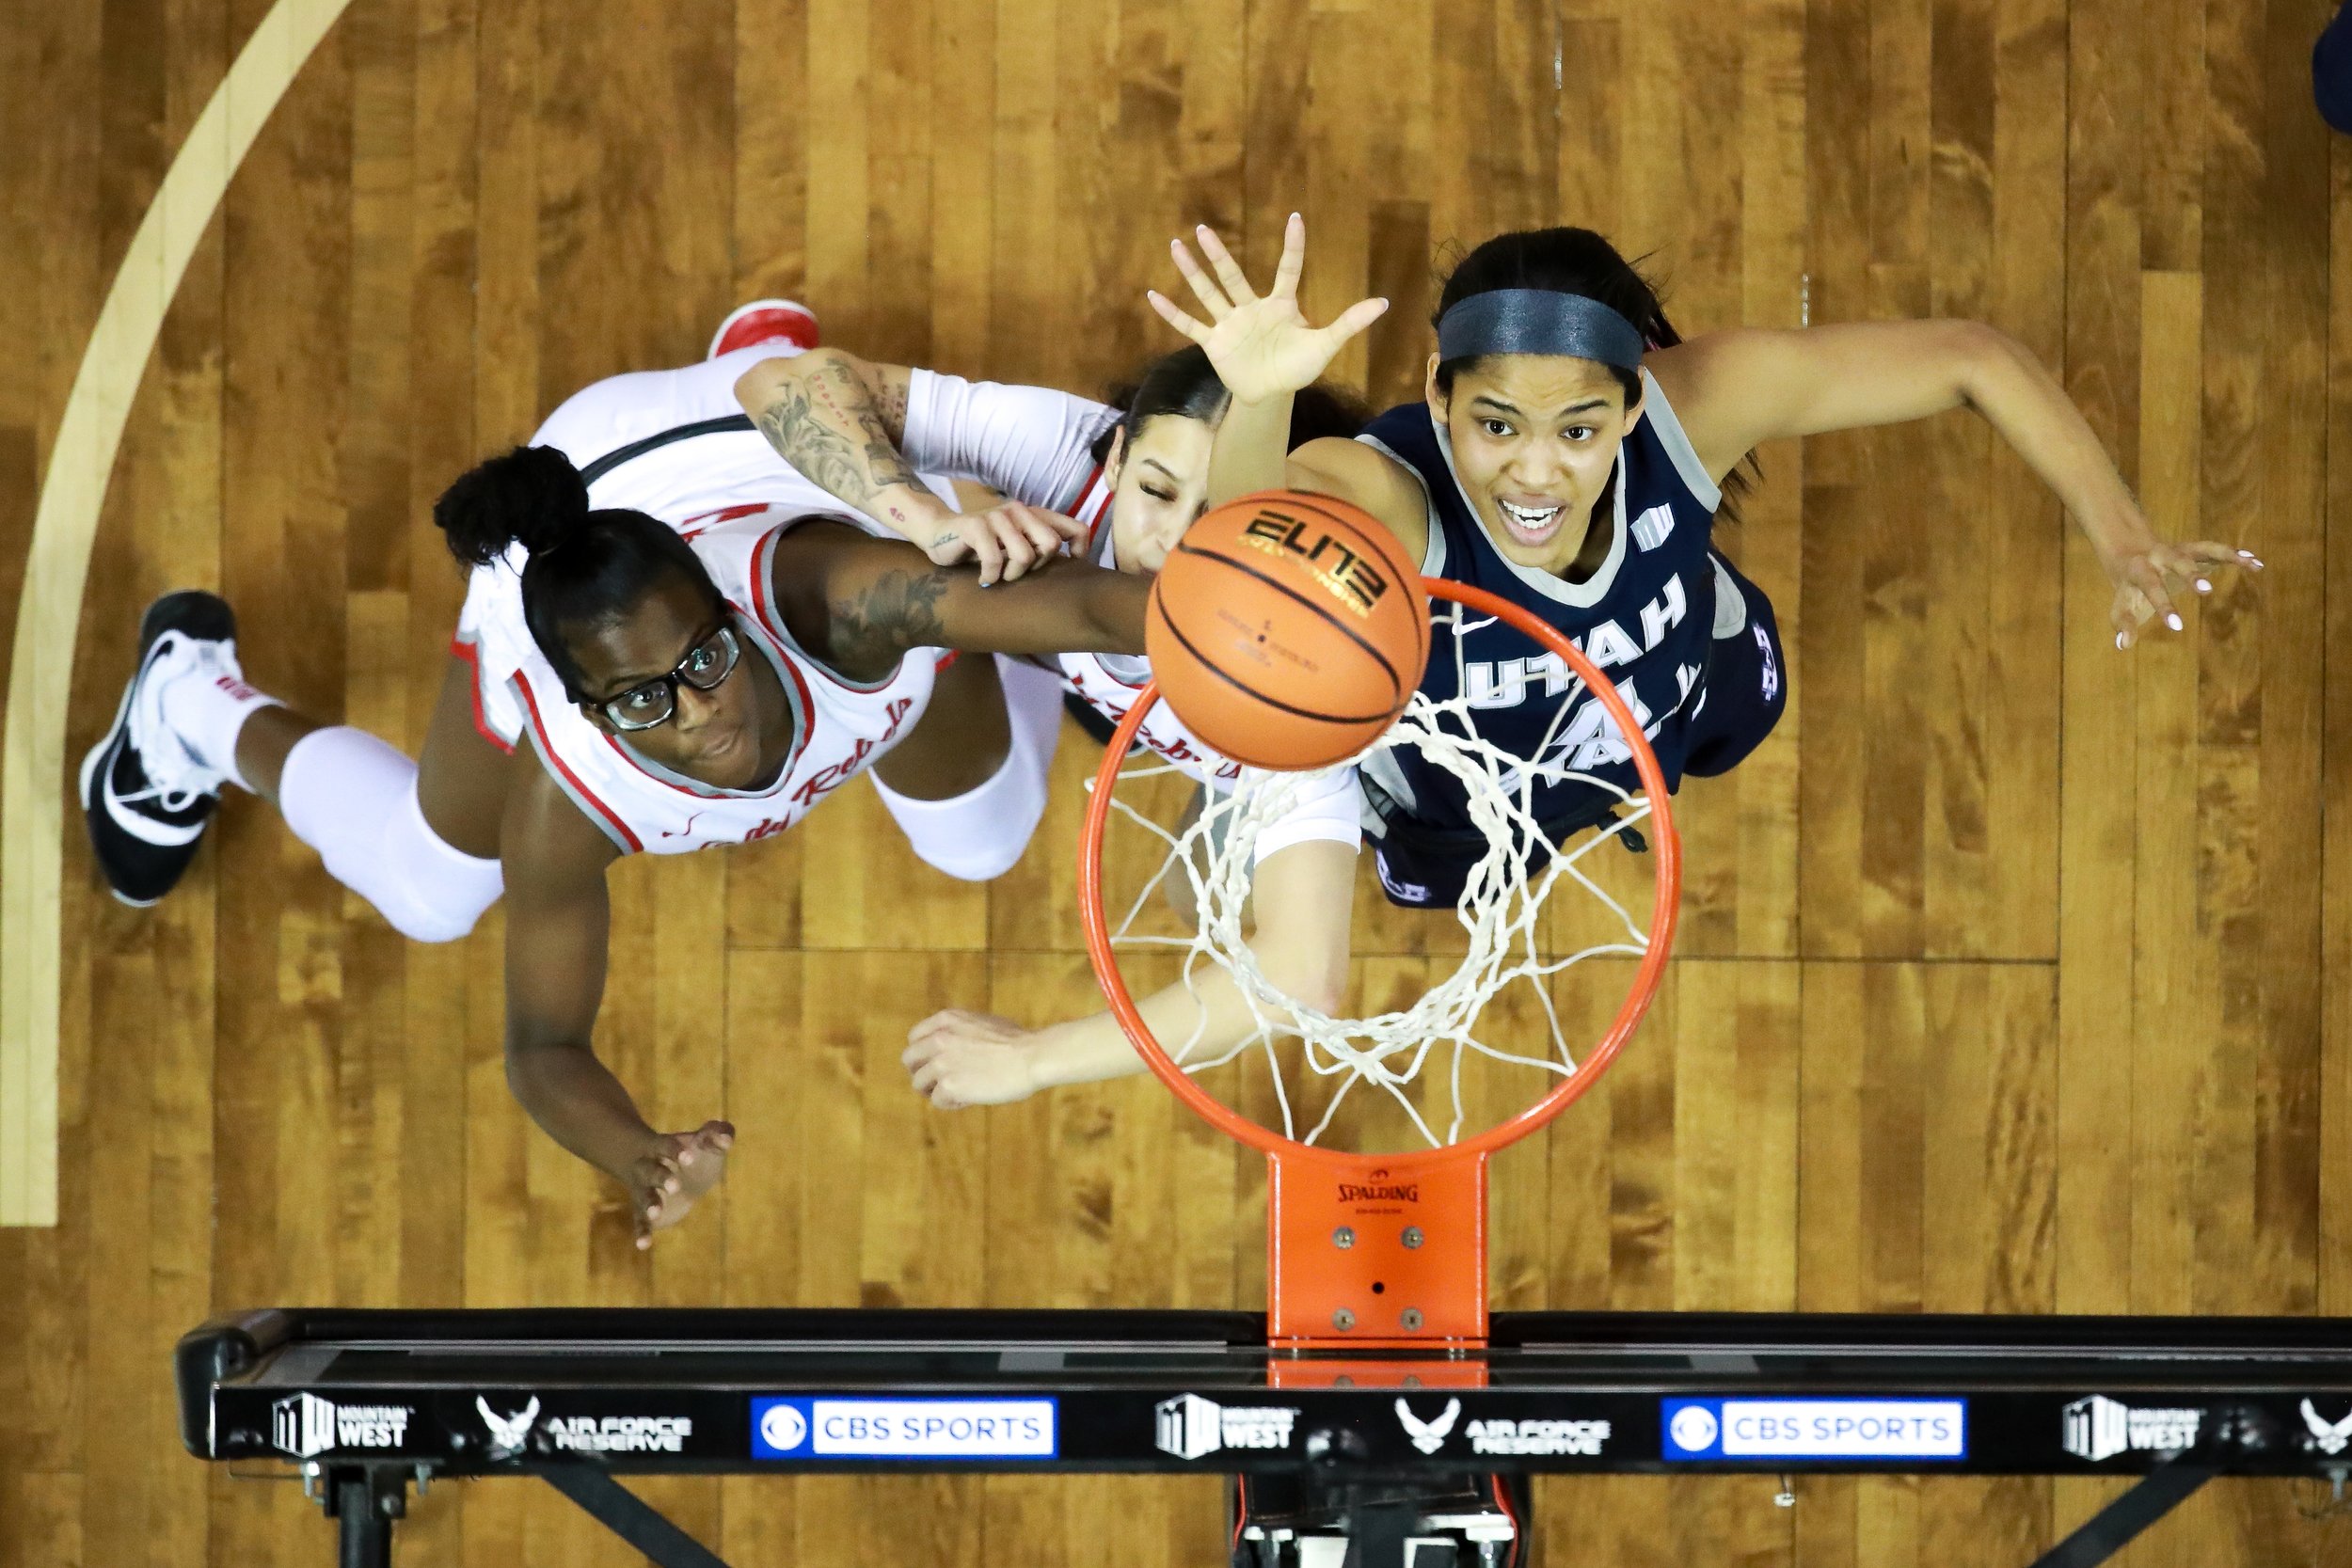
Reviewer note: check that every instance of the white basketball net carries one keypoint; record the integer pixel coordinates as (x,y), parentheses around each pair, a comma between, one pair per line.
(1501,909)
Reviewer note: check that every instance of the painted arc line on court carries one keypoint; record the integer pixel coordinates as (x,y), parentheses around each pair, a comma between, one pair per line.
(49,605)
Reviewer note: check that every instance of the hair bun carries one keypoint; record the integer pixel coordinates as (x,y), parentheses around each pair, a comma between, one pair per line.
(532,495)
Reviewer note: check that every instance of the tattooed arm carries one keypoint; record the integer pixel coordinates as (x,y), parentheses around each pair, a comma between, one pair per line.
(861,602)
(841,421)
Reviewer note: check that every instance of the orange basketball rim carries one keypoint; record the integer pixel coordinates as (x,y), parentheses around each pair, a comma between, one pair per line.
(1387,1251)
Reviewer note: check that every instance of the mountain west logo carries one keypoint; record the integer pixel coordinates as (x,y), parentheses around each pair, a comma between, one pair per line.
(2098,1428)
(1355,581)
(507,1433)
(1189,1426)
(2330,1437)
(304,1425)
(1428,1437)
(1652,527)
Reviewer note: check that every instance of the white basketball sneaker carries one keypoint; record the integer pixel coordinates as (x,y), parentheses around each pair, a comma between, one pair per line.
(145,795)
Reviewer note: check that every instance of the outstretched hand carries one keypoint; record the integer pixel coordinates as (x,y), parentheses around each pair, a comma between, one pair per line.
(1006,541)
(666,1181)
(959,1058)
(1262,347)
(2146,576)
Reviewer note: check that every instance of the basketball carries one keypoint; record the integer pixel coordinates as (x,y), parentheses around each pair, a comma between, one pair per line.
(1287,630)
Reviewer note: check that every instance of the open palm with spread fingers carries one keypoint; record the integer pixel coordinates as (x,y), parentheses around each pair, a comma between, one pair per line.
(1261,346)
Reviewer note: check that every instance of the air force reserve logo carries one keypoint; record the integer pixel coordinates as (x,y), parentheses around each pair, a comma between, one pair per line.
(1428,1437)
(507,1433)
(2329,1437)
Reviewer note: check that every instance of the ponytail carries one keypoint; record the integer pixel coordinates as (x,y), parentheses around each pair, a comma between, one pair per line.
(581,566)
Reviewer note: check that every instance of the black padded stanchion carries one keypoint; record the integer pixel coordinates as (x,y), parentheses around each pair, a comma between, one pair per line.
(631,1517)
(2109,1530)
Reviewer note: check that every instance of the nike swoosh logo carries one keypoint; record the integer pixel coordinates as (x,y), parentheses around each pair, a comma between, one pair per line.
(132,816)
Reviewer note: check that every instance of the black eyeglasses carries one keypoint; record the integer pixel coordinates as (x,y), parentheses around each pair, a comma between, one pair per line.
(706,664)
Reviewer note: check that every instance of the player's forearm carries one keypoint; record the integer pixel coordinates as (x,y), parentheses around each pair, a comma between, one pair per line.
(2018,398)
(1252,449)
(1069,608)
(1204,1020)
(824,416)
(577,1101)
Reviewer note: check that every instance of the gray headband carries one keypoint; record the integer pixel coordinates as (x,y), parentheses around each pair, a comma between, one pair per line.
(1538,321)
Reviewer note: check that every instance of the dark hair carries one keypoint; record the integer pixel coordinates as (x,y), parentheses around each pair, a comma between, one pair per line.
(583,565)
(1186,383)
(1571,262)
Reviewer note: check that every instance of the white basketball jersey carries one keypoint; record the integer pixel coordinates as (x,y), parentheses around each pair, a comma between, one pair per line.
(726,490)
(839,726)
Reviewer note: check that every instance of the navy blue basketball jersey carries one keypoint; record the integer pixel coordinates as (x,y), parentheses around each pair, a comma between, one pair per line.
(1646,618)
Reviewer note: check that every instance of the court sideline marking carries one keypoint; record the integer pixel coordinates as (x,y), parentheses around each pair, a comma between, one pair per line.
(49,605)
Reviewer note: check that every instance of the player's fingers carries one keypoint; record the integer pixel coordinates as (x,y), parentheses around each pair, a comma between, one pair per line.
(1029,525)
(2129,614)
(1195,330)
(1204,288)
(1049,544)
(2150,580)
(2210,553)
(1228,273)
(1068,527)
(937,1025)
(1354,319)
(1012,546)
(988,554)
(1039,526)
(1294,259)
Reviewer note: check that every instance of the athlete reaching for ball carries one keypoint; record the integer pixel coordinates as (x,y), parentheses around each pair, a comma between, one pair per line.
(700,649)
(1569,453)
(1137,476)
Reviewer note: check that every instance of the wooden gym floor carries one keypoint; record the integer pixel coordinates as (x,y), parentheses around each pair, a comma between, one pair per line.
(2016,972)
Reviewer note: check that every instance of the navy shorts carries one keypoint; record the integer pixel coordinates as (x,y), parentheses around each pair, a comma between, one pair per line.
(1746,691)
